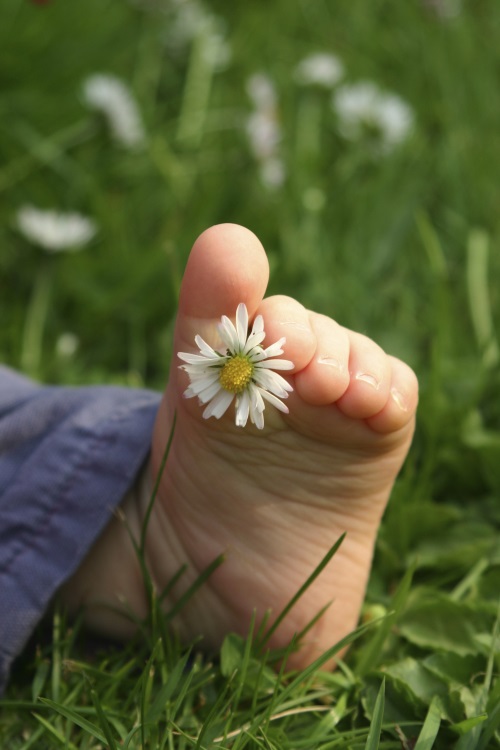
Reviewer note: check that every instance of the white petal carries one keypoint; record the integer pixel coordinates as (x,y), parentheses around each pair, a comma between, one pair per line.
(195,372)
(257,354)
(259,420)
(205,348)
(242,409)
(209,392)
(258,325)
(228,333)
(219,405)
(274,401)
(202,380)
(198,372)
(194,359)
(253,341)
(242,325)
(276,364)
(256,401)
(257,416)
(272,351)
(276,348)
(198,386)
(273,382)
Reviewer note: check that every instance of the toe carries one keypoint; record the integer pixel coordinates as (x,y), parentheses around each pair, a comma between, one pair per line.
(326,378)
(285,317)
(370,378)
(399,409)
(226,266)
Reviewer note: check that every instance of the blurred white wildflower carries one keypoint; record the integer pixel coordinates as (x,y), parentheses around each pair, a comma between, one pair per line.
(189,20)
(55,231)
(152,6)
(364,106)
(110,96)
(445,9)
(264,131)
(67,345)
(216,49)
(319,69)
(273,173)
(264,134)
(261,91)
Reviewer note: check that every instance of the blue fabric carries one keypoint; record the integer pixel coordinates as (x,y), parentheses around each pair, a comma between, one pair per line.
(67,458)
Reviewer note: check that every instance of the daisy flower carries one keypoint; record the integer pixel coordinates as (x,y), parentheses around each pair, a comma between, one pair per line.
(445,8)
(319,69)
(364,106)
(191,20)
(243,371)
(53,230)
(67,345)
(109,95)
(264,131)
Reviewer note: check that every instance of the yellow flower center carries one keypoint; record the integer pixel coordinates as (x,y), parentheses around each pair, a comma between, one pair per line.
(236,374)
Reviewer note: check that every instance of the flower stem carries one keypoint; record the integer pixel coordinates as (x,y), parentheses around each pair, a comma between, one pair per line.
(196,93)
(34,324)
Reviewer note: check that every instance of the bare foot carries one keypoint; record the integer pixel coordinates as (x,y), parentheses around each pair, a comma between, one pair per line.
(273,500)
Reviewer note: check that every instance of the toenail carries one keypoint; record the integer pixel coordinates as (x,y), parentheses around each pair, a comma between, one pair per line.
(365,377)
(300,326)
(399,399)
(331,361)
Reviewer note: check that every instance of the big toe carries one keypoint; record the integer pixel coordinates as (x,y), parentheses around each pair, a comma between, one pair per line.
(226,266)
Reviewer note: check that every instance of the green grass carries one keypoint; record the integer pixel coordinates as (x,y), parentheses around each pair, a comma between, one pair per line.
(403,248)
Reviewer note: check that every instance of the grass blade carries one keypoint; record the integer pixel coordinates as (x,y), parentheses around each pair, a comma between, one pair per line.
(316,572)
(164,695)
(372,651)
(430,728)
(36,318)
(479,297)
(492,723)
(73,716)
(373,739)
(432,246)
(204,576)
(54,732)
(106,728)
(326,656)
(151,503)
(173,581)
(489,727)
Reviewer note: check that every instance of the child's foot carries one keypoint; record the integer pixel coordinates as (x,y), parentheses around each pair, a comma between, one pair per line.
(273,500)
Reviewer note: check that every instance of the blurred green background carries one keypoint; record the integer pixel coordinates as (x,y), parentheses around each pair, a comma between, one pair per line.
(379,241)
(396,237)
(398,240)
